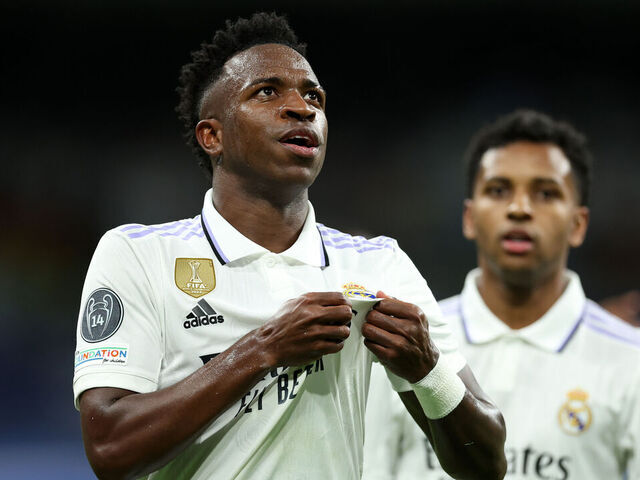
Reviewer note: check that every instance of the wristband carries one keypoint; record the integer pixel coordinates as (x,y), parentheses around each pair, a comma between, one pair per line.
(440,391)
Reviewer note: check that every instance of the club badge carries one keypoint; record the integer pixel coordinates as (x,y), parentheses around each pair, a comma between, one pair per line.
(353,290)
(575,414)
(362,301)
(102,316)
(195,276)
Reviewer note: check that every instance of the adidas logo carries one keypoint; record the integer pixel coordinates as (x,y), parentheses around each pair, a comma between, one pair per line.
(202,314)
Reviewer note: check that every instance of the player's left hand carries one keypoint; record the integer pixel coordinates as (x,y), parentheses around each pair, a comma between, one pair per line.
(398,334)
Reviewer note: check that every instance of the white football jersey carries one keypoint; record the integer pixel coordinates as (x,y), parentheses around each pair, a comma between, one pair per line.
(568,386)
(160,301)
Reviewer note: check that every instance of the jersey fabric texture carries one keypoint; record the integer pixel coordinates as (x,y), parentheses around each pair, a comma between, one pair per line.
(568,386)
(160,301)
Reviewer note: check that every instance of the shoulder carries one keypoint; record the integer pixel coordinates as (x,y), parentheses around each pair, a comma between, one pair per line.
(609,329)
(145,243)
(339,241)
(141,238)
(184,230)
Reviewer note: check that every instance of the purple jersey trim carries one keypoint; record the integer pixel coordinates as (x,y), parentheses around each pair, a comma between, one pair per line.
(338,240)
(573,330)
(191,226)
(601,321)
(454,305)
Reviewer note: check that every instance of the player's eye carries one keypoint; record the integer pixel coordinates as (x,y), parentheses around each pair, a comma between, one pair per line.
(266,92)
(548,193)
(496,191)
(315,96)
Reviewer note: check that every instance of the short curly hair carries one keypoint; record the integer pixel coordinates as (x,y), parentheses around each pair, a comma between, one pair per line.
(207,62)
(532,126)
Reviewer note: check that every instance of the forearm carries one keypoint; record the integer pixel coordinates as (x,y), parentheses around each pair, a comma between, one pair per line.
(469,441)
(134,434)
(465,428)
(127,435)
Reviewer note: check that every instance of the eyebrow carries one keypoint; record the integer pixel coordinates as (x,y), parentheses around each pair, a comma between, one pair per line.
(535,180)
(497,179)
(307,83)
(546,180)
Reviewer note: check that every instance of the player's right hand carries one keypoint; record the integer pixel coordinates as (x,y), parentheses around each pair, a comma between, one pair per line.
(306,328)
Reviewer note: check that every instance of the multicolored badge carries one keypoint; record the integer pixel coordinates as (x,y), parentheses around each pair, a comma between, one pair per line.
(575,415)
(362,301)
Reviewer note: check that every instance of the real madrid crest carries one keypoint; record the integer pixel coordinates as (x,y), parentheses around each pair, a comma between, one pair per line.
(575,414)
(195,276)
(353,290)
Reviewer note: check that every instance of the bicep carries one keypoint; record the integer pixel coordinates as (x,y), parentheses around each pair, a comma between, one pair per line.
(96,413)
(102,397)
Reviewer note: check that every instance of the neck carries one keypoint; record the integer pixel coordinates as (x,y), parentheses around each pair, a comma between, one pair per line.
(517,304)
(273,222)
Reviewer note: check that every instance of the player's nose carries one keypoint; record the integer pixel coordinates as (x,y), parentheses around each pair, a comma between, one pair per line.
(295,106)
(519,207)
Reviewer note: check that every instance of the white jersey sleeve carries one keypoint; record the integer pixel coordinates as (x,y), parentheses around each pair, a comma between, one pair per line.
(119,333)
(408,285)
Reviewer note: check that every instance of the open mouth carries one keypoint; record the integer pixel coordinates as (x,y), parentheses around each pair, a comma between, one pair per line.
(517,242)
(302,142)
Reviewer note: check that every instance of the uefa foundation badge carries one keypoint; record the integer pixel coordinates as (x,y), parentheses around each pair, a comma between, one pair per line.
(575,415)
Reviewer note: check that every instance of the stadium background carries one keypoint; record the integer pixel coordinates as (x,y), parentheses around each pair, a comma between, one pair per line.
(89,141)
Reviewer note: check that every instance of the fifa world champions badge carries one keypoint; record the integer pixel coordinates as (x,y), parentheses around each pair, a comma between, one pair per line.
(102,315)
(195,276)
(575,415)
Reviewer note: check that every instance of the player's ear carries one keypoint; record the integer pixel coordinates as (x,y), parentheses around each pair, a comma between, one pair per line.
(209,136)
(579,226)
(468,225)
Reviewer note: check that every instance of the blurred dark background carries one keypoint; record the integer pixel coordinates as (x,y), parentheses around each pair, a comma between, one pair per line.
(89,140)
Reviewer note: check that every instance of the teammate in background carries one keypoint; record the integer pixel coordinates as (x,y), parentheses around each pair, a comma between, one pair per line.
(562,370)
(203,351)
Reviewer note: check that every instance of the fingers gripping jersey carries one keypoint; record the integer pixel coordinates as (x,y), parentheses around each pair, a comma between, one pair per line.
(160,301)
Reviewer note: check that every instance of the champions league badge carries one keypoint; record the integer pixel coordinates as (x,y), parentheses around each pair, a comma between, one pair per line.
(575,415)
(195,276)
(102,315)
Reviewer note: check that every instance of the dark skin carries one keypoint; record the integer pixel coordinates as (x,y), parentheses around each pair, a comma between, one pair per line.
(528,189)
(127,434)
(469,441)
(265,95)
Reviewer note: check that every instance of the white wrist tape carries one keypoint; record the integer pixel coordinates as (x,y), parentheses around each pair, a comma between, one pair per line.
(440,391)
